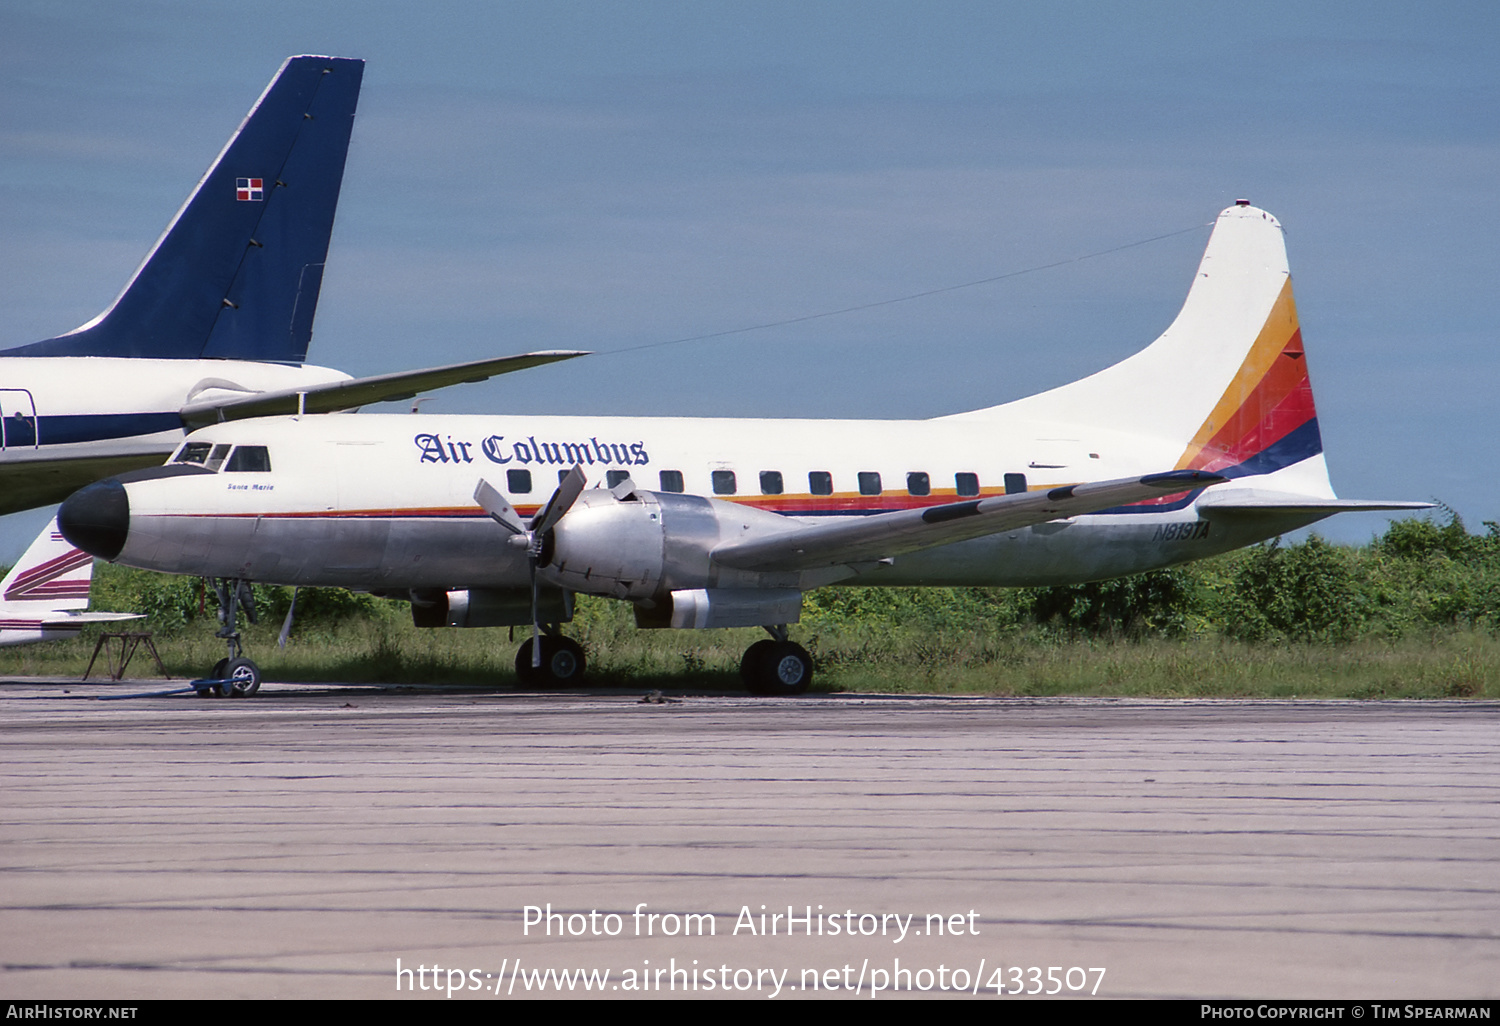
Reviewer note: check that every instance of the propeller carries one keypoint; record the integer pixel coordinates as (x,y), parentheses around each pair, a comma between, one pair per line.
(535,535)
(286,625)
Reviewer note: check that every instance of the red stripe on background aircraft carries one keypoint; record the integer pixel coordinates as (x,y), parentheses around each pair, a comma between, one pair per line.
(44,596)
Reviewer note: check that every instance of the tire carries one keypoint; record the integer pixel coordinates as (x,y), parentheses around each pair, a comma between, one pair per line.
(242,679)
(783,668)
(750,665)
(563,663)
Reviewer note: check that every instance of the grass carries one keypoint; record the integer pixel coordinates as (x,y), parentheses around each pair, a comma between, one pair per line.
(885,658)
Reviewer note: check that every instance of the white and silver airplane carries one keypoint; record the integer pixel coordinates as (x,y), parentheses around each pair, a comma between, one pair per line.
(215,324)
(45,595)
(1205,441)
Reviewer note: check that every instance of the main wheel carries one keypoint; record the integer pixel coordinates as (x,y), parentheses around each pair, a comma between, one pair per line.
(242,679)
(563,663)
(780,668)
(750,665)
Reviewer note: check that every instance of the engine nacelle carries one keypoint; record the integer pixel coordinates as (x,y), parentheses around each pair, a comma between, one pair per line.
(488,607)
(701,608)
(649,544)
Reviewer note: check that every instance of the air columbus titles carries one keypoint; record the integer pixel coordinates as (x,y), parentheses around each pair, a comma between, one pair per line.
(433,448)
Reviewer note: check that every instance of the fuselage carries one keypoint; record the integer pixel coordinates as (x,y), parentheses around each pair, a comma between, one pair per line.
(387,502)
(67,421)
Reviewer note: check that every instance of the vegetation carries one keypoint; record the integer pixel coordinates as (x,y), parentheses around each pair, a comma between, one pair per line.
(1416,613)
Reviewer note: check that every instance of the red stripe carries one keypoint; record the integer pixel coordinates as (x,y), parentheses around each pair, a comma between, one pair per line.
(39,575)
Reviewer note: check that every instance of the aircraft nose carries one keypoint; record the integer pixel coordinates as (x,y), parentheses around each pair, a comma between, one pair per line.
(96,518)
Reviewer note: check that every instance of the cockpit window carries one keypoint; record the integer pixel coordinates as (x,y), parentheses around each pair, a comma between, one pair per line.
(193,452)
(249,458)
(216,458)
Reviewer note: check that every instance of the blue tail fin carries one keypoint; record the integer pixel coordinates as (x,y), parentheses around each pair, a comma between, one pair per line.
(236,274)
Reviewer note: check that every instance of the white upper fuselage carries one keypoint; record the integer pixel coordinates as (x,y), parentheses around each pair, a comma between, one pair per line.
(97,405)
(387,501)
(66,421)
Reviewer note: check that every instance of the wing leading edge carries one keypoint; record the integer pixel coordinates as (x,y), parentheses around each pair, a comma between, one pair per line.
(348,395)
(885,535)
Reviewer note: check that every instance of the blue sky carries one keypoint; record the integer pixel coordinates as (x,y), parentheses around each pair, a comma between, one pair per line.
(606,176)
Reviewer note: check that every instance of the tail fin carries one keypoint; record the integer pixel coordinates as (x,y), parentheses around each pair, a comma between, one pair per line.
(1228,379)
(236,274)
(50,577)
(44,595)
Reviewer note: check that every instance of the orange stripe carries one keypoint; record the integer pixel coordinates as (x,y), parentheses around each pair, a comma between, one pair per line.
(1276,336)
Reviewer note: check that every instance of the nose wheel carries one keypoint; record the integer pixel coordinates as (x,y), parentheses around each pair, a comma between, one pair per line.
(237,676)
(562,664)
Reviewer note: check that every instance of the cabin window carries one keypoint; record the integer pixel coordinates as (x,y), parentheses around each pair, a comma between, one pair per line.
(770,482)
(671,481)
(562,475)
(193,452)
(869,482)
(614,477)
(519,481)
(967,484)
(918,483)
(724,482)
(249,459)
(820,482)
(1015,484)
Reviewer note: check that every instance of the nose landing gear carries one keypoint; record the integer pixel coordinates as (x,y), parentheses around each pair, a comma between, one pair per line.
(234,676)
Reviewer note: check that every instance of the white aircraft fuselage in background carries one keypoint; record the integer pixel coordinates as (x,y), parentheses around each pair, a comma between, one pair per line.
(216,322)
(66,421)
(1203,442)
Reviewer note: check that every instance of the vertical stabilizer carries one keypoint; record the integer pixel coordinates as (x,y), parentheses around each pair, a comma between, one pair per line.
(51,577)
(236,274)
(1227,381)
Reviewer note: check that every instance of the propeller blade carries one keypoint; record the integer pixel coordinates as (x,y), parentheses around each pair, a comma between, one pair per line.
(492,502)
(286,625)
(536,627)
(568,491)
(623,490)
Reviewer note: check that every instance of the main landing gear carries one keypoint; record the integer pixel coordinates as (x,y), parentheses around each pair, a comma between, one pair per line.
(776,665)
(561,666)
(236,676)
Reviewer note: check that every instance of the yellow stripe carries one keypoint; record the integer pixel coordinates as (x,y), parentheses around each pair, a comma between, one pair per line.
(1280,325)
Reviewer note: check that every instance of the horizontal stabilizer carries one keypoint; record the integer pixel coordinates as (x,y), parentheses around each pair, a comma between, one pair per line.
(866,539)
(348,395)
(84,619)
(1252,501)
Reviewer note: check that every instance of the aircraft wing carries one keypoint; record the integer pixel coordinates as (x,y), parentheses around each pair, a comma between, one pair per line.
(872,538)
(347,395)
